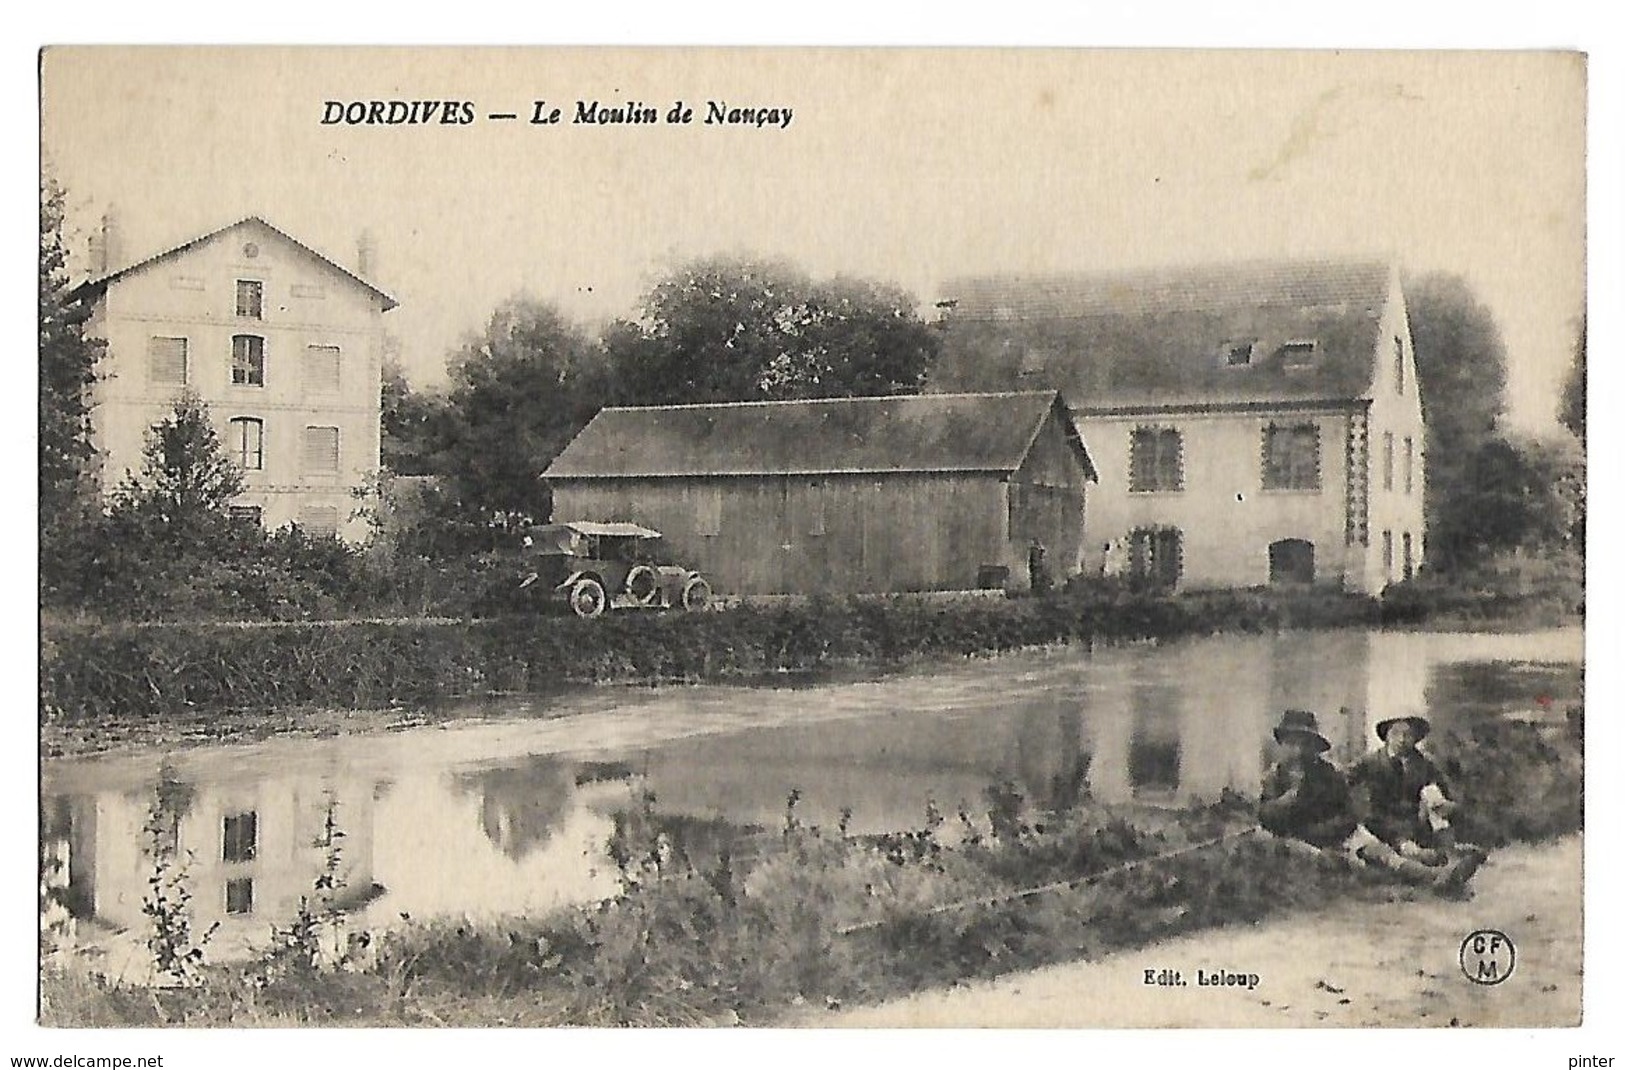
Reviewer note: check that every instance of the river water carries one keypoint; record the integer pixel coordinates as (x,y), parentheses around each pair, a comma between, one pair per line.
(510,808)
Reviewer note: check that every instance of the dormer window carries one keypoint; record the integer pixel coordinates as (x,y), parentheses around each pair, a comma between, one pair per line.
(1399,363)
(1238,354)
(1297,354)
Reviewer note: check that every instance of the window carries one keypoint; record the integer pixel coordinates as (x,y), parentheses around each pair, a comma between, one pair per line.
(1292,457)
(321,369)
(1405,551)
(248,360)
(319,519)
(1387,555)
(1399,363)
(1297,354)
(247,442)
(1154,460)
(166,361)
(1238,354)
(708,511)
(240,896)
(247,514)
(239,837)
(321,450)
(1387,460)
(1156,556)
(1410,466)
(250,299)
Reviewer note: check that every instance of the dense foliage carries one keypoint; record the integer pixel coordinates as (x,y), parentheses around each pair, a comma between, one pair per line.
(727,329)
(100,671)
(67,374)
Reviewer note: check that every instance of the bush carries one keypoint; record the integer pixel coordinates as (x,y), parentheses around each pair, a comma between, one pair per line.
(1509,588)
(92,671)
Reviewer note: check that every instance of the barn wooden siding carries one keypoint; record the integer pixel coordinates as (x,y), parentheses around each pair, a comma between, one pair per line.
(833,534)
(843,496)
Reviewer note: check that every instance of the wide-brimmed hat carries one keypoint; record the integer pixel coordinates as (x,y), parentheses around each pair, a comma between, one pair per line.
(1301,723)
(1419,725)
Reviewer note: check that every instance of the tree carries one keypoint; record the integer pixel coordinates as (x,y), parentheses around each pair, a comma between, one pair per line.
(519,392)
(186,480)
(1461,367)
(727,329)
(1514,495)
(67,371)
(412,424)
(1572,409)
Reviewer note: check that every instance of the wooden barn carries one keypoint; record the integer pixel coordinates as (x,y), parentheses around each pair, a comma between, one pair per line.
(848,495)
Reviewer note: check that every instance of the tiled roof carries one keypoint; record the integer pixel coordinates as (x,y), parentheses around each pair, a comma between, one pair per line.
(100,283)
(1164,337)
(905,433)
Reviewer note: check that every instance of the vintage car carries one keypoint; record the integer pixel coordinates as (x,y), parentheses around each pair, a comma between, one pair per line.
(594,566)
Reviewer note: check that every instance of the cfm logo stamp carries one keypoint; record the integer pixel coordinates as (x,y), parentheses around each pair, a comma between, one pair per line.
(1488,957)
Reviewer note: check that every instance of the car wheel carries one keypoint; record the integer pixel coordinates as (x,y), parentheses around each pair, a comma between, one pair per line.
(642,584)
(696,594)
(587,598)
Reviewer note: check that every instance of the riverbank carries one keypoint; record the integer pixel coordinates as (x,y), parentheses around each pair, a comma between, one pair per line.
(92,672)
(1354,964)
(711,922)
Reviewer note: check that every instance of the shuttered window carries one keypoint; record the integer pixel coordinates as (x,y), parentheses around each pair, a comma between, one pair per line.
(321,450)
(166,361)
(1155,460)
(319,519)
(321,370)
(1292,457)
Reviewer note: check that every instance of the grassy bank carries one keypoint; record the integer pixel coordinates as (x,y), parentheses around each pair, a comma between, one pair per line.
(713,929)
(92,672)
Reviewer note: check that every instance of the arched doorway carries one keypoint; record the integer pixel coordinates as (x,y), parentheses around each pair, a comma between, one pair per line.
(1292,561)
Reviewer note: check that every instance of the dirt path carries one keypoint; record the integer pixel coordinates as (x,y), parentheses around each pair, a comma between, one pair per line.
(1357,964)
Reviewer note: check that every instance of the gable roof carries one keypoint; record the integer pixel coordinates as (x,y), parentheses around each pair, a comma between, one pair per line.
(1160,338)
(901,433)
(98,285)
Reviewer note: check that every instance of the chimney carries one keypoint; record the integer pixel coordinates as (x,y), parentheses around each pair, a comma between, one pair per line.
(366,254)
(105,245)
(112,243)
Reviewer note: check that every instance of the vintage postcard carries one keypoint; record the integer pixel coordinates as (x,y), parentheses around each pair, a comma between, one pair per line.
(838,538)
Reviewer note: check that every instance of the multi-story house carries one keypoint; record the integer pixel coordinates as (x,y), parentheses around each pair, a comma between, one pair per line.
(1251,423)
(283,344)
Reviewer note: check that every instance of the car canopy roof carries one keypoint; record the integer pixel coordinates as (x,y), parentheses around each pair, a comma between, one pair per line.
(591,527)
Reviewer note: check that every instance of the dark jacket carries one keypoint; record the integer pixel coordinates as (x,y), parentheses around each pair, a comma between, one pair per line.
(1318,810)
(1388,795)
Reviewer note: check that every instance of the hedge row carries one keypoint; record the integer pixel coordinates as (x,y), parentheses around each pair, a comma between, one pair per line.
(89,672)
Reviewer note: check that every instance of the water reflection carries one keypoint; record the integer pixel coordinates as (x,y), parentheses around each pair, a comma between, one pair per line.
(520,805)
(515,816)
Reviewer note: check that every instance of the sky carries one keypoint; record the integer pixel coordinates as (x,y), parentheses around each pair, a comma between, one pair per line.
(907,166)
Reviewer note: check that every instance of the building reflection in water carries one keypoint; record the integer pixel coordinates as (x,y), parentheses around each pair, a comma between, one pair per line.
(490,832)
(249,852)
